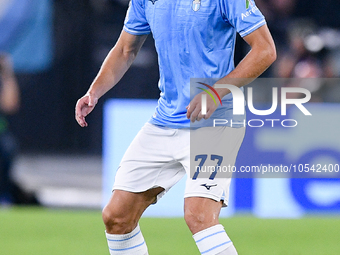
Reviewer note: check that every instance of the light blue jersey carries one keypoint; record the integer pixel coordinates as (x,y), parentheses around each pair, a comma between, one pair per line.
(193,39)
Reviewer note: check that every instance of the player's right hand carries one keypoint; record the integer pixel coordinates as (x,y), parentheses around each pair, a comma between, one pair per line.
(84,106)
(194,109)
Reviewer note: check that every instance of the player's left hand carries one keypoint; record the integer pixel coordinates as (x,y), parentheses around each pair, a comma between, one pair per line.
(194,109)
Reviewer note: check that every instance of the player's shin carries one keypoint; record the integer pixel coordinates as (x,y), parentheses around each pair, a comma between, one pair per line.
(131,243)
(213,241)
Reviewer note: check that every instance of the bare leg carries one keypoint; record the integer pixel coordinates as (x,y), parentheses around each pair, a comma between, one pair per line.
(121,216)
(201,215)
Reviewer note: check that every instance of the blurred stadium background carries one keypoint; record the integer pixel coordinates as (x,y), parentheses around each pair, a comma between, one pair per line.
(66,171)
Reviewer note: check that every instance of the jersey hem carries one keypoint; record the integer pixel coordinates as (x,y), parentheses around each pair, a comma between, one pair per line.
(136,32)
(253,28)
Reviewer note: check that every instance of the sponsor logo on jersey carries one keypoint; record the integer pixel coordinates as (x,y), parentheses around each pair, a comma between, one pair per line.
(248,4)
(251,8)
(208,186)
(196,5)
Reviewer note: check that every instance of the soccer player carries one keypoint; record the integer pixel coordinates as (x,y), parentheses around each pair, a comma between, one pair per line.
(194,39)
(9,105)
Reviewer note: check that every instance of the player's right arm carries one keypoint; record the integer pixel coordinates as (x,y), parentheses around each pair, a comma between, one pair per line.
(116,63)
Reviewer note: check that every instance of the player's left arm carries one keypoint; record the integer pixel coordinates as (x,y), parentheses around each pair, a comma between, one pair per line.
(259,58)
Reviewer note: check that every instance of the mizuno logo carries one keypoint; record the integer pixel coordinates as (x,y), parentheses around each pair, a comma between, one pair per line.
(208,186)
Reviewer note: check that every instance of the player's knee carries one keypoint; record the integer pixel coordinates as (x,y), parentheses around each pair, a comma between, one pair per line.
(196,220)
(117,222)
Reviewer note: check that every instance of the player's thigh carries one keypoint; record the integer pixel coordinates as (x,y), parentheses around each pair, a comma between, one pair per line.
(125,206)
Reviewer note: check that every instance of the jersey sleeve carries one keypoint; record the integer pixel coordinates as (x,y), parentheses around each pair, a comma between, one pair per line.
(135,21)
(243,15)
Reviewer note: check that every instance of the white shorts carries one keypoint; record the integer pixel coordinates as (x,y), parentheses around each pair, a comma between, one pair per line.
(160,157)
